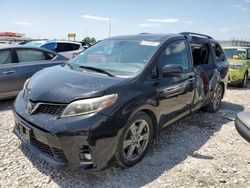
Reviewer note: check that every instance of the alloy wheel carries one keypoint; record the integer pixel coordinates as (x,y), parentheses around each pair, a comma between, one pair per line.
(217,97)
(136,140)
(244,80)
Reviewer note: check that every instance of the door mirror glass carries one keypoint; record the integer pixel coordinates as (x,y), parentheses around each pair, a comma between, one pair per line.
(172,70)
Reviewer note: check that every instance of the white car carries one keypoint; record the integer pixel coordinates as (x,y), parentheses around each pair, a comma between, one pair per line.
(66,48)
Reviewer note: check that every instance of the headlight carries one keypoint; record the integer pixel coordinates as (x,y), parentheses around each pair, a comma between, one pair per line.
(236,66)
(88,106)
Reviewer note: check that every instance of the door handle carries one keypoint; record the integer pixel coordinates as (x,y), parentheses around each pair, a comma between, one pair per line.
(9,72)
(191,78)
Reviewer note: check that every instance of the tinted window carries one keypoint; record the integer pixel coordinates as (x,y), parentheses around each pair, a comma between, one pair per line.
(5,57)
(50,46)
(220,56)
(75,46)
(28,55)
(175,53)
(65,47)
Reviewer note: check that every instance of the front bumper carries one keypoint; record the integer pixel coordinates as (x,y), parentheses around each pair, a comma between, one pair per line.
(64,142)
(235,76)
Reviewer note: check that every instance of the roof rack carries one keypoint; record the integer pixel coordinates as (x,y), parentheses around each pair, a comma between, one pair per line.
(195,34)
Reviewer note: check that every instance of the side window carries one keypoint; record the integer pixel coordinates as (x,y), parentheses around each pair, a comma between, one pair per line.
(220,56)
(50,46)
(175,53)
(5,57)
(28,55)
(75,46)
(248,54)
(61,47)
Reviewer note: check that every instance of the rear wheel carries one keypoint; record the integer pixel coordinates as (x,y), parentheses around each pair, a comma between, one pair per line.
(244,81)
(216,101)
(135,140)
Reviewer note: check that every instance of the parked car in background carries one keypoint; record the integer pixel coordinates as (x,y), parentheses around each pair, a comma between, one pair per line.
(242,123)
(105,105)
(19,63)
(239,59)
(66,48)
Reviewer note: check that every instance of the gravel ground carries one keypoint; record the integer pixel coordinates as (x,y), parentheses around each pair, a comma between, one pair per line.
(202,150)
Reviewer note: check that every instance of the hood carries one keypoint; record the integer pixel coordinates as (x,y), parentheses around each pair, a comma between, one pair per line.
(60,84)
(237,61)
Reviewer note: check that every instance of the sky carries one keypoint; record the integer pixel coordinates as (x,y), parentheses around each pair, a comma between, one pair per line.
(222,19)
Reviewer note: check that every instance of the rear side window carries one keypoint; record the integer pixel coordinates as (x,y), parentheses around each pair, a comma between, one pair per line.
(65,47)
(28,55)
(5,57)
(219,54)
(50,46)
(175,53)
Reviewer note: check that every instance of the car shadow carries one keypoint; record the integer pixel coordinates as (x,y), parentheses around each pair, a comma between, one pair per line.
(170,147)
(6,105)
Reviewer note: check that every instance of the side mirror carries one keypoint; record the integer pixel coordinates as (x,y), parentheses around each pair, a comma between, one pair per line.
(172,70)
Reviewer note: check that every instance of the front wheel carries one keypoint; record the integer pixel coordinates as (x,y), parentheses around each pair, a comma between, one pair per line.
(135,140)
(214,105)
(244,81)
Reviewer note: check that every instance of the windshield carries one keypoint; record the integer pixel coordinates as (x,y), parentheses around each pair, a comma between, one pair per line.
(34,44)
(121,58)
(236,53)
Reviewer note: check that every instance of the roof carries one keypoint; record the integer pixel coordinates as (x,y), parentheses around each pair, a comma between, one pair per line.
(25,47)
(147,36)
(49,41)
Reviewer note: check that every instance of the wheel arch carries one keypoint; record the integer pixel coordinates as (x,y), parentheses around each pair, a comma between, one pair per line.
(153,118)
(223,88)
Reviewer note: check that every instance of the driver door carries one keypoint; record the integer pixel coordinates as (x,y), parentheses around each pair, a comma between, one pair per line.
(176,93)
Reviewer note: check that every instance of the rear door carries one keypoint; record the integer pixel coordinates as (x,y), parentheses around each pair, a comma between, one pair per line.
(176,93)
(7,70)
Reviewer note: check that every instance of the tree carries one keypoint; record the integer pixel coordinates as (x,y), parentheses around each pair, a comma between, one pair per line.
(88,41)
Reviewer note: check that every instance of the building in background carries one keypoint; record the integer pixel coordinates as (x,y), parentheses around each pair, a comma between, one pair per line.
(13,37)
(228,43)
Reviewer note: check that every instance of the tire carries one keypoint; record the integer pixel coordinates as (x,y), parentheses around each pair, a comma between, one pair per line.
(134,142)
(244,81)
(215,103)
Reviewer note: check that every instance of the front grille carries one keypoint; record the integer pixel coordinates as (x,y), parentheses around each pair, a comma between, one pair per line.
(40,145)
(59,154)
(56,153)
(52,109)
(44,108)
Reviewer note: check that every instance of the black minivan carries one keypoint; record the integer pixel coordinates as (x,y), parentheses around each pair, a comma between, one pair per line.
(105,105)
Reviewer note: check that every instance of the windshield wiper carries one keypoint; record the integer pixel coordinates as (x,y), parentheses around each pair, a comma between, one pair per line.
(97,70)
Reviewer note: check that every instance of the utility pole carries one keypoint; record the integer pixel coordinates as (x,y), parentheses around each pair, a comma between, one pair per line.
(109,26)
